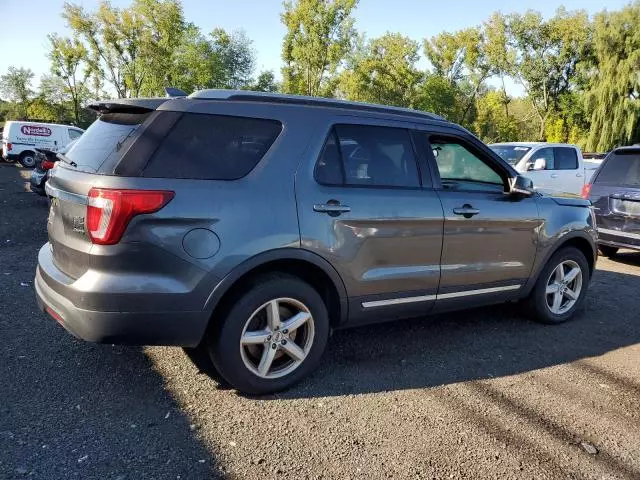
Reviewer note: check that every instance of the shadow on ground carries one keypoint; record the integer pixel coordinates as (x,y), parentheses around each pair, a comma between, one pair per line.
(476,344)
(70,409)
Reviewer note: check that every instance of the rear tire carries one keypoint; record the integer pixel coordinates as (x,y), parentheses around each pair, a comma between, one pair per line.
(557,296)
(27,159)
(272,336)
(608,251)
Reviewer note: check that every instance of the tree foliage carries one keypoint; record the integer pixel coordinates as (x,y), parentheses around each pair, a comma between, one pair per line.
(547,54)
(70,64)
(16,87)
(319,35)
(580,75)
(385,71)
(614,87)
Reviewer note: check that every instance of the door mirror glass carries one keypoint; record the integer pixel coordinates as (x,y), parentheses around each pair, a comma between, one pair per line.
(539,164)
(521,186)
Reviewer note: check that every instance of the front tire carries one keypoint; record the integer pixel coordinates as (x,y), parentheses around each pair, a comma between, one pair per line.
(561,287)
(272,337)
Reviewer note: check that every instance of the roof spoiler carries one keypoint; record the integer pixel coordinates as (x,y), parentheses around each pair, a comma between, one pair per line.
(127,105)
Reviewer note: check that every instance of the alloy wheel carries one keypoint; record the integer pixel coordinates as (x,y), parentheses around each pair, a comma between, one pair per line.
(277,338)
(563,287)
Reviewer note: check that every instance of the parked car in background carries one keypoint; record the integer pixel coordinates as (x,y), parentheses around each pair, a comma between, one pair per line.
(246,226)
(553,167)
(615,194)
(45,161)
(20,139)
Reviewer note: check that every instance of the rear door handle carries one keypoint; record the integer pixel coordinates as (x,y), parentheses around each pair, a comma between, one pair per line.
(332,207)
(467,211)
(554,175)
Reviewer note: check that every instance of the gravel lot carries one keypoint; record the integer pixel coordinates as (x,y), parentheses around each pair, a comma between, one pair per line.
(479,394)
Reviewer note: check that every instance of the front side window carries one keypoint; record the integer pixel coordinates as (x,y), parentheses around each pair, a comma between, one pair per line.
(363,155)
(545,154)
(459,167)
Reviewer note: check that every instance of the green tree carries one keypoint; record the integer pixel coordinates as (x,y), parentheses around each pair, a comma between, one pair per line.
(614,88)
(70,62)
(233,59)
(461,58)
(436,94)
(492,123)
(266,82)
(15,86)
(131,48)
(319,36)
(385,72)
(547,54)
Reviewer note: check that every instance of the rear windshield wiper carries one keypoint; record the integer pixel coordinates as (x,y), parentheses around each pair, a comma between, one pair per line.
(66,159)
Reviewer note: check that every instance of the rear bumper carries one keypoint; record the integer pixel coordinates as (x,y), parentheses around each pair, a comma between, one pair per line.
(618,238)
(181,328)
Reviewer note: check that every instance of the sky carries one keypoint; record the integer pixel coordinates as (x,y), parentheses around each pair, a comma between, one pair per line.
(25,24)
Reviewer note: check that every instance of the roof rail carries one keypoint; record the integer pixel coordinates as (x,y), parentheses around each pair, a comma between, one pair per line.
(247,95)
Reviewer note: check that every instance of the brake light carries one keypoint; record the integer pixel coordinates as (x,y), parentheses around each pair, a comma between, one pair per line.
(586,191)
(47,165)
(9,147)
(109,211)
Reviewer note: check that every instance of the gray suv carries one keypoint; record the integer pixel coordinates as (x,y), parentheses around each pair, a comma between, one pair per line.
(247,226)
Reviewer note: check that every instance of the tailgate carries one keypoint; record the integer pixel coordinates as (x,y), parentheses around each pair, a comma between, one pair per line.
(69,241)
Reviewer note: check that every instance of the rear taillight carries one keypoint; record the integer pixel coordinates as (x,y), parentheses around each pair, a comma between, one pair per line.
(109,211)
(9,147)
(47,165)
(586,191)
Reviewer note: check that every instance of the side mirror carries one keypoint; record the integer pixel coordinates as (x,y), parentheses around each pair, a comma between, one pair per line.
(521,186)
(539,164)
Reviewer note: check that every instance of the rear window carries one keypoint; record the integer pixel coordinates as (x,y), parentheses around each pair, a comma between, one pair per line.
(106,137)
(212,147)
(511,154)
(621,168)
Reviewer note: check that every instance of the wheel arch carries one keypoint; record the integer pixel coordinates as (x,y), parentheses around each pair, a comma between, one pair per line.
(580,240)
(306,265)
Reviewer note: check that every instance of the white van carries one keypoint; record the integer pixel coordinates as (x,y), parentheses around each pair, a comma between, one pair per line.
(20,139)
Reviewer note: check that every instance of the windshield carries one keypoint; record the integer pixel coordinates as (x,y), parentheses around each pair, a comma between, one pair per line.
(103,139)
(510,153)
(621,168)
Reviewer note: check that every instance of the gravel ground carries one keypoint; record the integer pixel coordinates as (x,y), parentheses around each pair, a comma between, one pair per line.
(478,394)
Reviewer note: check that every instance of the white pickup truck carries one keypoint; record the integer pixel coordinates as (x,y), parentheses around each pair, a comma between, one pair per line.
(554,167)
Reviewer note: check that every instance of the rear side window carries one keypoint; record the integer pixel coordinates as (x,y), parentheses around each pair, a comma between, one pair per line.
(565,158)
(212,147)
(363,155)
(106,138)
(620,168)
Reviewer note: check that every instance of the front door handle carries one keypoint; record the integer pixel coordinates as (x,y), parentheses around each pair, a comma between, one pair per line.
(332,207)
(467,211)
(554,175)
